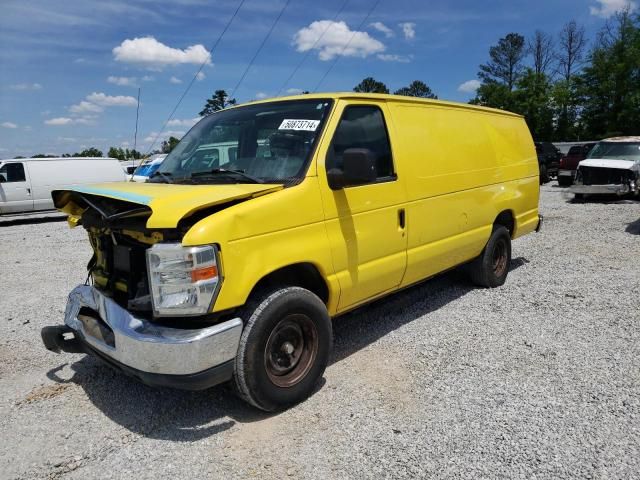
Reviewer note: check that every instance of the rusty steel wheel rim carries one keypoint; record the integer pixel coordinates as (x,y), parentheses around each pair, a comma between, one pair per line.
(291,350)
(499,258)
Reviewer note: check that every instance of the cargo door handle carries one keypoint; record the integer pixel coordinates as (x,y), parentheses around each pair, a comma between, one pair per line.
(401,218)
(28,191)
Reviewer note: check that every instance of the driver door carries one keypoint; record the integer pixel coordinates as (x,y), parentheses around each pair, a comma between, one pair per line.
(365,223)
(15,189)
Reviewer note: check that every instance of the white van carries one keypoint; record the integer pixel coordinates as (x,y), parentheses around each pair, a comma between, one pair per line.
(148,167)
(26,183)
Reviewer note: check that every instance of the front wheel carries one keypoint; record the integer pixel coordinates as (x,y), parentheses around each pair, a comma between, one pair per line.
(284,348)
(490,269)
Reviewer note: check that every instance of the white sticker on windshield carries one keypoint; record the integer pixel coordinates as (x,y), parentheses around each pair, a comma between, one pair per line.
(306,125)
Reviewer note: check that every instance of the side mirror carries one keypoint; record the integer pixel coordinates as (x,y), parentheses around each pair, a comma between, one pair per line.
(359,167)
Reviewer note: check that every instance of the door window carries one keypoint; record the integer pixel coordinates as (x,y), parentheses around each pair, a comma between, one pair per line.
(12,172)
(363,127)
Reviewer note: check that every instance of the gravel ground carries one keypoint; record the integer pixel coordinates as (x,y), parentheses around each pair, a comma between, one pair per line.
(539,378)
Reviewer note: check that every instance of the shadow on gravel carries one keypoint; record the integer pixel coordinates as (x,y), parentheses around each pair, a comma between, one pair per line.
(183,416)
(633,228)
(602,199)
(30,220)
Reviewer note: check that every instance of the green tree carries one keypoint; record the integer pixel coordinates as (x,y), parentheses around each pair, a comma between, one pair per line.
(533,99)
(169,144)
(218,101)
(417,88)
(115,153)
(610,85)
(371,85)
(89,152)
(505,64)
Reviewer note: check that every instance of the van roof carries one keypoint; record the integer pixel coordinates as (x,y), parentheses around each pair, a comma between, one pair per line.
(54,158)
(381,97)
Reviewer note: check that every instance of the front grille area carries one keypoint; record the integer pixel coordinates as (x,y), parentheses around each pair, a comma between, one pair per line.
(604,176)
(120,269)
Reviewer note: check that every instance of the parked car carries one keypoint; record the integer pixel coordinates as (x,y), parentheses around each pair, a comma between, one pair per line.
(232,271)
(611,167)
(569,163)
(26,183)
(548,159)
(148,167)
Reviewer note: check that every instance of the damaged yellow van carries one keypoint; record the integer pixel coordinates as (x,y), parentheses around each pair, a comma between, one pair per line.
(270,218)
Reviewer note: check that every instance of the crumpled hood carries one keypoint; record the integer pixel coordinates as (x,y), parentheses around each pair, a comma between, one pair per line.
(169,203)
(608,163)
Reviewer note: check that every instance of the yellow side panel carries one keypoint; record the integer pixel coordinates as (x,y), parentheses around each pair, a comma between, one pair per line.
(463,168)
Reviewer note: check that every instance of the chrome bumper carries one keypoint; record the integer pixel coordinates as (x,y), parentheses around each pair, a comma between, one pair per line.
(145,346)
(567,173)
(617,189)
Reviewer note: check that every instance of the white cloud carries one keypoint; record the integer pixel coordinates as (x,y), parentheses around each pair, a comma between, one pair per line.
(261,95)
(381,27)
(123,81)
(408,29)
(85,107)
(8,125)
(59,121)
(27,128)
(165,135)
(387,57)
(469,86)
(200,76)
(175,80)
(187,122)
(294,91)
(148,78)
(150,53)
(608,8)
(335,38)
(26,86)
(111,101)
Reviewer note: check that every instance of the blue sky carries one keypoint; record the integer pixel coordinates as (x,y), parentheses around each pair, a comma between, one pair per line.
(69,69)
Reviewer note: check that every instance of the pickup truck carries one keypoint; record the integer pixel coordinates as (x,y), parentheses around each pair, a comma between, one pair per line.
(569,163)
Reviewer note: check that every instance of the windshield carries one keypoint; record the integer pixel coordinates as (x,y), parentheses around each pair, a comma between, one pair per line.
(270,142)
(616,150)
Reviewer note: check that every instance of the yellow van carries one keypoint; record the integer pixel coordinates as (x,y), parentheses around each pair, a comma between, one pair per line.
(231,267)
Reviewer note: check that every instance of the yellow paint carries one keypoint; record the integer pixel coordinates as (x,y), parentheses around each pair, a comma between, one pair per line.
(457,166)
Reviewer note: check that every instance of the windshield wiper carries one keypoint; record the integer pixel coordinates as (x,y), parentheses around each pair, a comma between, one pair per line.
(224,171)
(158,173)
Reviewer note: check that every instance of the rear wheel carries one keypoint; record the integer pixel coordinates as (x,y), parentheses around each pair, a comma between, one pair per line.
(490,269)
(284,348)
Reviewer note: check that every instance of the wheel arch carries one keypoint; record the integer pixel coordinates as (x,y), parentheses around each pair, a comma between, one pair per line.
(303,274)
(506,218)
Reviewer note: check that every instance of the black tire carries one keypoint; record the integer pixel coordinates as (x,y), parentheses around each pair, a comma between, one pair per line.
(565,181)
(544,174)
(490,269)
(284,348)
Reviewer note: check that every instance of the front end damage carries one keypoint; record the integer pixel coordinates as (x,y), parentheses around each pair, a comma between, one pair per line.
(606,177)
(126,320)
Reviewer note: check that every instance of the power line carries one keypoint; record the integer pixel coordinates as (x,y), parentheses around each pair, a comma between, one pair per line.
(259,49)
(295,70)
(211,50)
(346,45)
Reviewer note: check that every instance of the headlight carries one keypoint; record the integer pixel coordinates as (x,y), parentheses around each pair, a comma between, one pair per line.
(182,280)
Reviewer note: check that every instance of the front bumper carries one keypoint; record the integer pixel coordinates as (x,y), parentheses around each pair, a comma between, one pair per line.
(157,355)
(617,189)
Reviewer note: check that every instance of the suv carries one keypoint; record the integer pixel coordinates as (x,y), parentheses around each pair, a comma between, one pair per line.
(548,159)
(569,163)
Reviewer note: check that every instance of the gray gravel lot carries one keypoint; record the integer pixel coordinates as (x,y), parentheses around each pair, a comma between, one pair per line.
(539,378)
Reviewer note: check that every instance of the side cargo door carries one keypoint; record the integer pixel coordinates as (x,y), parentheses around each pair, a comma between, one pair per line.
(15,189)
(366,222)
